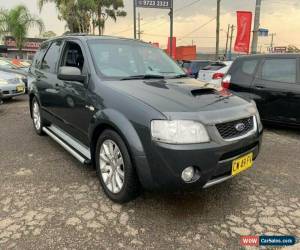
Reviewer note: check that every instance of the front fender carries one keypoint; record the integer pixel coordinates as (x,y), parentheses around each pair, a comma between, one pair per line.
(122,125)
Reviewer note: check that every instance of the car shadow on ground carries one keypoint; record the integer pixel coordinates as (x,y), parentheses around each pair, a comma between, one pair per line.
(203,204)
(282,129)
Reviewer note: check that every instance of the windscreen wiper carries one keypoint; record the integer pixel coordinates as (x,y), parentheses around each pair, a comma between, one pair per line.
(137,77)
(181,76)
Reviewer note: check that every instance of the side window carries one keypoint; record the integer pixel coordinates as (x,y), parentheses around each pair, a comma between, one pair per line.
(249,66)
(51,58)
(73,56)
(37,60)
(280,70)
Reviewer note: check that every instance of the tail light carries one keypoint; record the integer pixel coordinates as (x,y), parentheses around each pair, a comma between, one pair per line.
(217,76)
(226,82)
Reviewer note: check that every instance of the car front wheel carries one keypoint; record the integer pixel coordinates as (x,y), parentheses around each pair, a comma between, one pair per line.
(115,169)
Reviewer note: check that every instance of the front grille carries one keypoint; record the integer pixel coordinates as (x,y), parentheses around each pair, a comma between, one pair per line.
(233,129)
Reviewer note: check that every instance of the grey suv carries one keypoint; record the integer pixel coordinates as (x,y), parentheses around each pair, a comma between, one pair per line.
(128,109)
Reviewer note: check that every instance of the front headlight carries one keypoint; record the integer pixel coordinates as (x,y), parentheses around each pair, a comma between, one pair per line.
(2,81)
(178,132)
(258,119)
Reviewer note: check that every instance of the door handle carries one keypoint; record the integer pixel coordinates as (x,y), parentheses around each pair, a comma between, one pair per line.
(57,86)
(259,87)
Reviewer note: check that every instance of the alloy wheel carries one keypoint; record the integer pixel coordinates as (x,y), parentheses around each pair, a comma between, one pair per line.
(112,166)
(36,115)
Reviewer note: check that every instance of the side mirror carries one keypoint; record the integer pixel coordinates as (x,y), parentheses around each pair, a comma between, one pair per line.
(67,73)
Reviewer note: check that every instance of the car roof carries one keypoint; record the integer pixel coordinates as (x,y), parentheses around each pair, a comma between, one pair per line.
(279,55)
(85,37)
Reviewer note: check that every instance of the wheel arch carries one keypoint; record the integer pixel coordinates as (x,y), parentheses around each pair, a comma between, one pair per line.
(114,120)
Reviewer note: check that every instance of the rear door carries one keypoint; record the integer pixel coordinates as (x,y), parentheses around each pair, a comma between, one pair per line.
(47,82)
(274,88)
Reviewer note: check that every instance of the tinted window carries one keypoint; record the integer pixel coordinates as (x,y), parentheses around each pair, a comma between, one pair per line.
(249,66)
(280,70)
(51,58)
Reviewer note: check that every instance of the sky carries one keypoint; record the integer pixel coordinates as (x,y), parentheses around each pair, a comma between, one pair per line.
(279,16)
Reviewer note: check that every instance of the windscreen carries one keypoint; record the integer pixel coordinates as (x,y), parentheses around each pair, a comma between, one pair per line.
(123,58)
(215,66)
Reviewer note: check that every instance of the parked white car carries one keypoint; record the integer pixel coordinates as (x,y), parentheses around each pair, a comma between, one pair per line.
(214,72)
(11,85)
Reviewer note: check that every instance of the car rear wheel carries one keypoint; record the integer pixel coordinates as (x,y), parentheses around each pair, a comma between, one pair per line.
(36,117)
(115,169)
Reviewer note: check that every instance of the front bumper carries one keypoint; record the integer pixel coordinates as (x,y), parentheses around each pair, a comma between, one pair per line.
(10,90)
(162,168)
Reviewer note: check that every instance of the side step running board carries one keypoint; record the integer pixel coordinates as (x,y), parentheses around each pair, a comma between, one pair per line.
(79,157)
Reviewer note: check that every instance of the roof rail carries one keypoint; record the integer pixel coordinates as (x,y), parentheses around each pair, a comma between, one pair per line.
(75,34)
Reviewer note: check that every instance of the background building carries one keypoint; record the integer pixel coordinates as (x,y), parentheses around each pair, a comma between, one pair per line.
(10,49)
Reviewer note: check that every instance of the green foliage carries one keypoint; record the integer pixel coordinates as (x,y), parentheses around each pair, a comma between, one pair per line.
(17,21)
(85,15)
(48,34)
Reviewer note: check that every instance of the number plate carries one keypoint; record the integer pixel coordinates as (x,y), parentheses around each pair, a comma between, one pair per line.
(242,164)
(20,88)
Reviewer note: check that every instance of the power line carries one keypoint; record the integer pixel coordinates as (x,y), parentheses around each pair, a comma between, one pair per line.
(150,21)
(200,27)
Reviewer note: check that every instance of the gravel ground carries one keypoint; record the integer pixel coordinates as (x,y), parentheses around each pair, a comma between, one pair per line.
(50,201)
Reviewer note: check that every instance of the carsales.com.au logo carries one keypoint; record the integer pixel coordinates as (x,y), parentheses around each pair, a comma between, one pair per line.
(255,241)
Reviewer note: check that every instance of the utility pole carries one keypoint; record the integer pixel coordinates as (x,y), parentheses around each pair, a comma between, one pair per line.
(256,27)
(139,26)
(272,41)
(171,29)
(134,19)
(227,40)
(218,29)
(231,39)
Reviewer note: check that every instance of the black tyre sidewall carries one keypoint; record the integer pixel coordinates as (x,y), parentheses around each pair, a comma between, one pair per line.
(38,131)
(130,189)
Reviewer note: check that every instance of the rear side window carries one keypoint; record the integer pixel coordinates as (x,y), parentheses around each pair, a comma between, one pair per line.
(280,70)
(37,60)
(249,66)
(51,58)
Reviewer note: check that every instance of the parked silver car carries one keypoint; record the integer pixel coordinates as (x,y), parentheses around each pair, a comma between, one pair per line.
(11,85)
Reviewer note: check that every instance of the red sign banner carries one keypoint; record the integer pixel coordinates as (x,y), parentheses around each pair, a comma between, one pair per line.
(244,23)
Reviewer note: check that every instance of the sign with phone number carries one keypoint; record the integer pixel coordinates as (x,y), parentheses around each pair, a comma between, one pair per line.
(161,4)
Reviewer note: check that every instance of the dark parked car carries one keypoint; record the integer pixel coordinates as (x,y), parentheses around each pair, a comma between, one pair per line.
(273,81)
(193,67)
(128,109)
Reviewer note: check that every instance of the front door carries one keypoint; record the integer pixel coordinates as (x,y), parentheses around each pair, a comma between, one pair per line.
(273,88)
(76,110)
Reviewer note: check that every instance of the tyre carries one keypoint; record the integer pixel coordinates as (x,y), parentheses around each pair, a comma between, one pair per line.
(36,117)
(115,169)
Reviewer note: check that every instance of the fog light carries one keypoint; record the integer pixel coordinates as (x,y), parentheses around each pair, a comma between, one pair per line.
(188,174)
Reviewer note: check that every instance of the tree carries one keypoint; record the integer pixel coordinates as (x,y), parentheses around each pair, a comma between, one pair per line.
(293,49)
(16,22)
(86,15)
(108,9)
(48,34)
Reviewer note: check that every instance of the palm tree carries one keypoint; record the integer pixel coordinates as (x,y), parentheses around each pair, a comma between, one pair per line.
(16,22)
(108,9)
